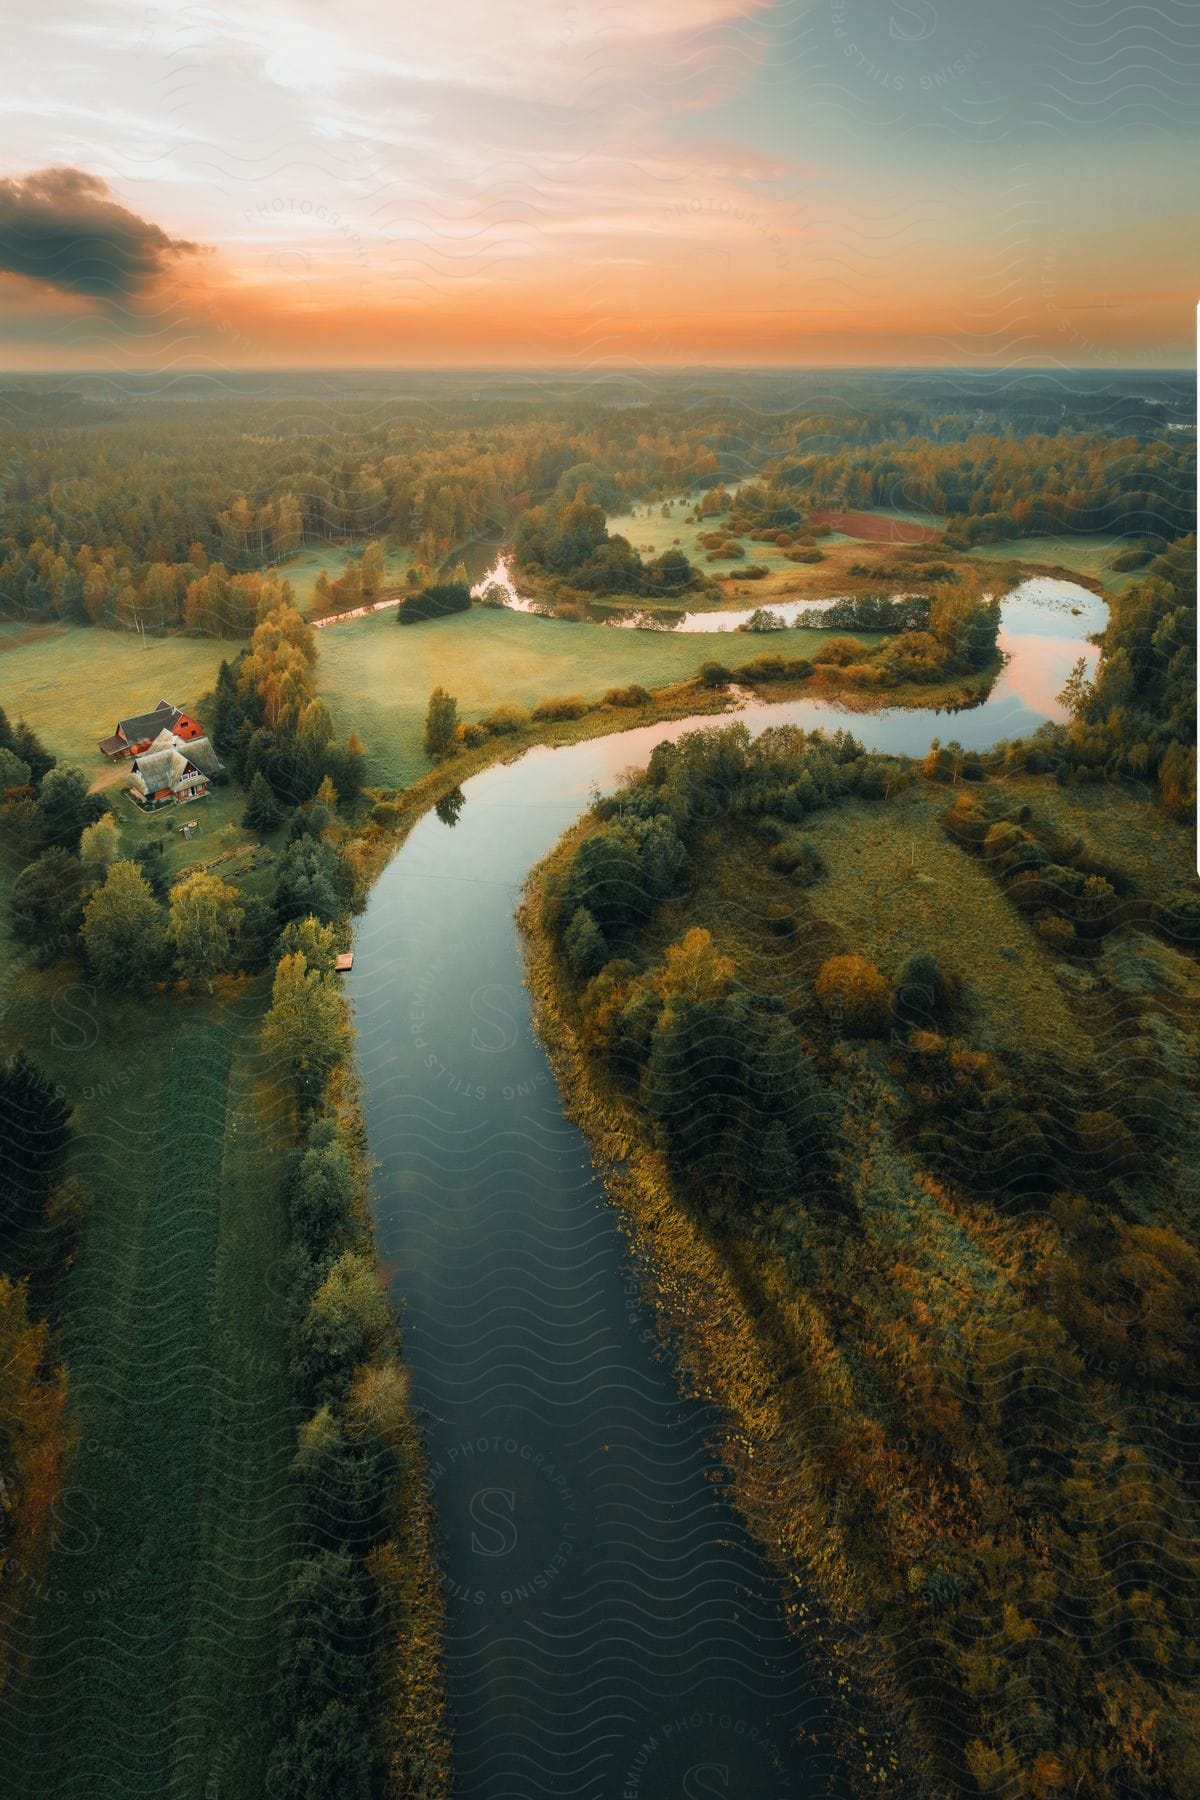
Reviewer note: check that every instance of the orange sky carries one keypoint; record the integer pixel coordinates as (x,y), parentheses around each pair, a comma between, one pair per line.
(716,181)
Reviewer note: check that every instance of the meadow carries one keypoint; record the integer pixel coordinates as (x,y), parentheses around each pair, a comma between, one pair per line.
(1087,555)
(377,676)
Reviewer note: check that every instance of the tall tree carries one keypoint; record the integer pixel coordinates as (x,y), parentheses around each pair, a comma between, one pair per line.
(441,722)
(205,917)
(123,930)
(306,1030)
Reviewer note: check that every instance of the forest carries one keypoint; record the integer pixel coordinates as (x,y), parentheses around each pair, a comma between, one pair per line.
(168,512)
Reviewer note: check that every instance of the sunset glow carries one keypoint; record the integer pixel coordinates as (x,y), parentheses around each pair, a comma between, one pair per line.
(676,183)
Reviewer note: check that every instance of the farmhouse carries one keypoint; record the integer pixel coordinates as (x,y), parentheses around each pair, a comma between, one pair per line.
(172,770)
(139,732)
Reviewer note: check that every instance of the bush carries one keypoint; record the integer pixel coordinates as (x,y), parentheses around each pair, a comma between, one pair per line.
(633,695)
(714,674)
(564,706)
(799,857)
(840,650)
(924,993)
(762,619)
(854,995)
(434,602)
(807,556)
(505,719)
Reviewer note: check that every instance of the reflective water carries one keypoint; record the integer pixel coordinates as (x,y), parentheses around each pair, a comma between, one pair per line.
(611,1630)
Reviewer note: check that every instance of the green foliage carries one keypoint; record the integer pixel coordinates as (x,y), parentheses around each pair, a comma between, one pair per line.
(205,918)
(123,929)
(309,882)
(35,1132)
(66,807)
(45,909)
(435,602)
(583,945)
(306,1032)
(441,723)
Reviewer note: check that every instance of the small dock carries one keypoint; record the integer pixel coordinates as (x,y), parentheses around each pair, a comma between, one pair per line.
(345,962)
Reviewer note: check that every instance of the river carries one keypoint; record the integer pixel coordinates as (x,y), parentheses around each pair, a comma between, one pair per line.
(612,1632)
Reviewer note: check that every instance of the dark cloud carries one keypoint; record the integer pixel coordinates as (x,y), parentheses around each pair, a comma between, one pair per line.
(62,226)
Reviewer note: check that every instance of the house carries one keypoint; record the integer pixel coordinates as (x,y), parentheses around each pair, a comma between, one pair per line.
(172,770)
(138,733)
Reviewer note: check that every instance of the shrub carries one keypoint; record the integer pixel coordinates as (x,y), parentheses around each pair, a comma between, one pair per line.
(471,736)
(714,674)
(840,650)
(633,695)
(563,706)
(762,619)
(1059,933)
(807,556)
(924,993)
(505,719)
(853,995)
(584,946)
(799,857)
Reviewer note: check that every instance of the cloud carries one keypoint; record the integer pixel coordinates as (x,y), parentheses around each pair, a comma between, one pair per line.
(62,227)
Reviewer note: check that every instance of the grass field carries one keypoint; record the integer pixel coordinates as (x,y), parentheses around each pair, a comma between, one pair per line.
(1088,555)
(153,1633)
(377,676)
(72,682)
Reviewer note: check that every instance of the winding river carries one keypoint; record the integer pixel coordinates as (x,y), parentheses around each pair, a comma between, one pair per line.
(612,1632)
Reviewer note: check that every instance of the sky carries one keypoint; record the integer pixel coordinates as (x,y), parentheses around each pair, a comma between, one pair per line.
(545,182)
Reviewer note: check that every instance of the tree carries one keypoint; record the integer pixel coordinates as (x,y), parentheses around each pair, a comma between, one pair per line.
(316,940)
(65,807)
(35,1130)
(13,772)
(347,1319)
(584,946)
(100,842)
(441,722)
(263,812)
(310,881)
(853,995)
(1078,692)
(45,911)
(372,570)
(123,930)
(205,916)
(306,1030)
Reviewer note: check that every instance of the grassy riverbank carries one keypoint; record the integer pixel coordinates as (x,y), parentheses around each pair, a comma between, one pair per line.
(923,1375)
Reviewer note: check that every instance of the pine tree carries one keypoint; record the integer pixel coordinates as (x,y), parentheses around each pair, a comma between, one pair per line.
(263,812)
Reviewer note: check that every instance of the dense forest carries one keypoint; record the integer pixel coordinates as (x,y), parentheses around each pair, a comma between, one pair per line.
(152,511)
(890,1057)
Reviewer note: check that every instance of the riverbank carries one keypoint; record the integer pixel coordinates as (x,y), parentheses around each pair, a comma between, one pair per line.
(892,1339)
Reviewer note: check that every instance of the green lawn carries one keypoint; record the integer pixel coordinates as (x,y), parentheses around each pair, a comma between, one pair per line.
(1086,555)
(153,1637)
(73,682)
(377,675)
(651,534)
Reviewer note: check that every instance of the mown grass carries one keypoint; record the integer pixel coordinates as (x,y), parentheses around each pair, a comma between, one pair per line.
(152,1638)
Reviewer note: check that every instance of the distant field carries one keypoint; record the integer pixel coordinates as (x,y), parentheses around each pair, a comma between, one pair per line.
(881,525)
(304,568)
(377,675)
(1088,555)
(73,682)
